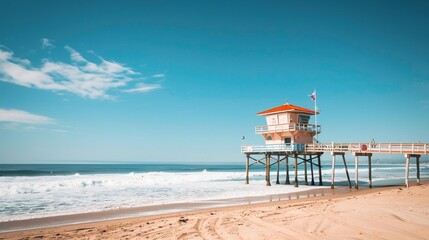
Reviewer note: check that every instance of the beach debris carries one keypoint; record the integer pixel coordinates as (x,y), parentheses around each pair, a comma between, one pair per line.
(183,220)
(81,229)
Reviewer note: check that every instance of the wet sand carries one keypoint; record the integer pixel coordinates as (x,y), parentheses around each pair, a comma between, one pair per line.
(378,213)
(153,210)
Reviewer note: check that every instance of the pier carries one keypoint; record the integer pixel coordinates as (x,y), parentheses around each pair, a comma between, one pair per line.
(289,137)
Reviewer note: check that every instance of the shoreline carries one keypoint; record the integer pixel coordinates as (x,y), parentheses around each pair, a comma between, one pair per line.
(387,212)
(161,209)
(292,200)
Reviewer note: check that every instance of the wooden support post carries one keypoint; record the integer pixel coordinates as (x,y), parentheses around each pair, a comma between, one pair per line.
(407,169)
(320,170)
(311,168)
(347,171)
(287,170)
(356,172)
(418,169)
(267,168)
(296,170)
(333,170)
(278,169)
(305,170)
(369,171)
(247,168)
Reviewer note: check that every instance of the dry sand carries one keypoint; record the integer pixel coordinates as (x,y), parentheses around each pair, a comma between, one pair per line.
(380,213)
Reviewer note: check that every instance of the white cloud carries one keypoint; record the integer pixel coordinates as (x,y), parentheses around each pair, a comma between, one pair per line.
(142,87)
(46,43)
(75,56)
(81,77)
(14,117)
(160,75)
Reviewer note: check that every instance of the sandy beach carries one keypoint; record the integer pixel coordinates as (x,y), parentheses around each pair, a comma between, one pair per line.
(378,213)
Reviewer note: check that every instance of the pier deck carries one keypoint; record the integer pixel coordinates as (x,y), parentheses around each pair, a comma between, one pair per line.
(383,148)
(308,152)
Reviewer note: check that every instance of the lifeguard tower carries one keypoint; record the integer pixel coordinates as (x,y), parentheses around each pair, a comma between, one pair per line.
(287,132)
(288,125)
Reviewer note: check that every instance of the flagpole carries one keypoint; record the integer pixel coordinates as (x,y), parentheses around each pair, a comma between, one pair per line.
(315,114)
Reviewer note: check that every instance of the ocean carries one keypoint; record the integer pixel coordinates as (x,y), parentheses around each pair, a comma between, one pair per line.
(31,191)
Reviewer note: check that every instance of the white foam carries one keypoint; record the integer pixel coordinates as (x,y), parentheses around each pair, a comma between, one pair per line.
(32,197)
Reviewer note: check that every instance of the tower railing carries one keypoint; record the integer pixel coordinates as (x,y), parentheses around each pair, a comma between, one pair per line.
(288,127)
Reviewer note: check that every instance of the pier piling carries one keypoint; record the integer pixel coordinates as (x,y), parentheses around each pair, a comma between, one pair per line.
(334,154)
(356,172)
(407,169)
(369,155)
(333,170)
(247,168)
(311,169)
(278,169)
(369,171)
(296,169)
(267,168)
(287,170)
(305,170)
(418,169)
(320,170)
(347,171)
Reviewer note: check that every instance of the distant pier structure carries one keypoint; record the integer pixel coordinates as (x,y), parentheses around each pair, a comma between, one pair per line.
(289,135)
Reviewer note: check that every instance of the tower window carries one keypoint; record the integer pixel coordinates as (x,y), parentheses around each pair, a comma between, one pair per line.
(303,119)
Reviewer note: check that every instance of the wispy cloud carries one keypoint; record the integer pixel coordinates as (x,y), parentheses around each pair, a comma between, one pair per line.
(81,77)
(142,87)
(14,116)
(160,75)
(46,43)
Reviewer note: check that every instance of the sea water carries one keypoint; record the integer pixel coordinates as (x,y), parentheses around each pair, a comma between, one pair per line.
(39,190)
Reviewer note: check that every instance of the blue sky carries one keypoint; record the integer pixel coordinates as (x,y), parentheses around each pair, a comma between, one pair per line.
(182,81)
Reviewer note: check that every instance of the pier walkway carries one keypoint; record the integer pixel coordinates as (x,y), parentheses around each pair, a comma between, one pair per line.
(309,152)
(383,148)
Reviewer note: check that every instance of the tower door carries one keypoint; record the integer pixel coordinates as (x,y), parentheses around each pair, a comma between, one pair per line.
(288,140)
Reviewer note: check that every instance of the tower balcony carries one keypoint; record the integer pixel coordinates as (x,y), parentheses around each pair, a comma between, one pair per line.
(290,127)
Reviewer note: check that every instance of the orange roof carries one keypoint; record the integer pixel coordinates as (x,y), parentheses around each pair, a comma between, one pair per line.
(286,108)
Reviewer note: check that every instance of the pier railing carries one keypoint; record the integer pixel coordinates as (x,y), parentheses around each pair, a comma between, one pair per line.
(289,127)
(272,148)
(384,148)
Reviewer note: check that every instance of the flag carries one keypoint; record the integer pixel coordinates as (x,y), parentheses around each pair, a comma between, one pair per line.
(313,95)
